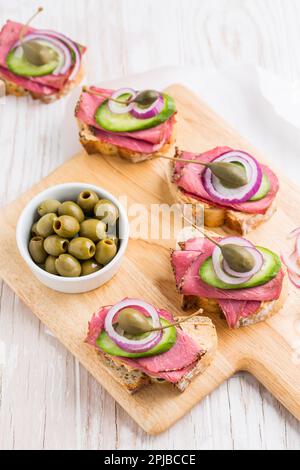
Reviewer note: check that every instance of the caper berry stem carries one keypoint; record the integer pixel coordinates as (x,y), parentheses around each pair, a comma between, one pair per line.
(97,93)
(124,102)
(228,173)
(25,26)
(199,312)
(237,260)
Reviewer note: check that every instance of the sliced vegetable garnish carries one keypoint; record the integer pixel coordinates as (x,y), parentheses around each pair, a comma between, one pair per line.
(146,112)
(292,262)
(220,193)
(133,345)
(74,48)
(125,122)
(269,270)
(64,50)
(263,190)
(222,268)
(123,94)
(106,344)
(19,65)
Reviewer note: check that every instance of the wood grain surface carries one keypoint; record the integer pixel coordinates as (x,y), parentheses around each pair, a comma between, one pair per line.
(43,390)
(264,349)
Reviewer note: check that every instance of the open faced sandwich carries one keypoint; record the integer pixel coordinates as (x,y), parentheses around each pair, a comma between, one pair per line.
(141,344)
(42,63)
(233,188)
(126,123)
(230,277)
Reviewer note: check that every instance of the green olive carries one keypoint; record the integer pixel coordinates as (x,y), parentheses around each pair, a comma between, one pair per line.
(47,206)
(34,232)
(114,238)
(36,250)
(89,267)
(105,251)
(87,200)
(55,245)
(66,226)
(68,266)
(71,208)
(106,211)
(45,225)
(82,248)
(93,229)
(50,265)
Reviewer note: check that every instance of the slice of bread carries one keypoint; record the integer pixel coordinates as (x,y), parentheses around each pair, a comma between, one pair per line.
(93,145)
(203,332)
(229,219)
(12,88)
(211,307)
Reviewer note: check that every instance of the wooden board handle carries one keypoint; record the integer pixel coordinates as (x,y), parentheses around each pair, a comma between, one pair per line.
(272,363)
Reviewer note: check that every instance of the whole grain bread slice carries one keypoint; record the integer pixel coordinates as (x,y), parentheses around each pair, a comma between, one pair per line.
(212,307)
(14,89)
(203,332)
(229,219)
(93,145)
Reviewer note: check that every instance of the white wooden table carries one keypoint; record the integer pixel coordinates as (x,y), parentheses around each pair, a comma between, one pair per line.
(47,401)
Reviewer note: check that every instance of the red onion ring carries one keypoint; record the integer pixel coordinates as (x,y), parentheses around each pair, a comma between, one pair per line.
(72,45)
(294,233)
(131,345)
(150,111)
(60,47)
(294,278)
(224,272)
(291,262)
(117,108)
(221,194)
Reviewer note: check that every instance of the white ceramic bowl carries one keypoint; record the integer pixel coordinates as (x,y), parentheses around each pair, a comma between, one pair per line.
(71,285)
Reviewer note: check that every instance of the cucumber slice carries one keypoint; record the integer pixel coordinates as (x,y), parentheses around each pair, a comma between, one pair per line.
(18,64)
(270,269)
(263,190)
(128,123)
(168,339)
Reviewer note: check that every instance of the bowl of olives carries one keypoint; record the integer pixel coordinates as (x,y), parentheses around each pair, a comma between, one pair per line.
(73,236)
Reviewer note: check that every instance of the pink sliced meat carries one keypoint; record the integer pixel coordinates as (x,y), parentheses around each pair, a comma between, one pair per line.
(132,143)
(171,365)
(29,85)
(46,85)
(89,104)
(235,309)
(235,303)
(144,141)
(189,178)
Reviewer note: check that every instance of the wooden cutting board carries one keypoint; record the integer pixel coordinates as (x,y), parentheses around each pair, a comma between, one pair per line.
(270,350)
